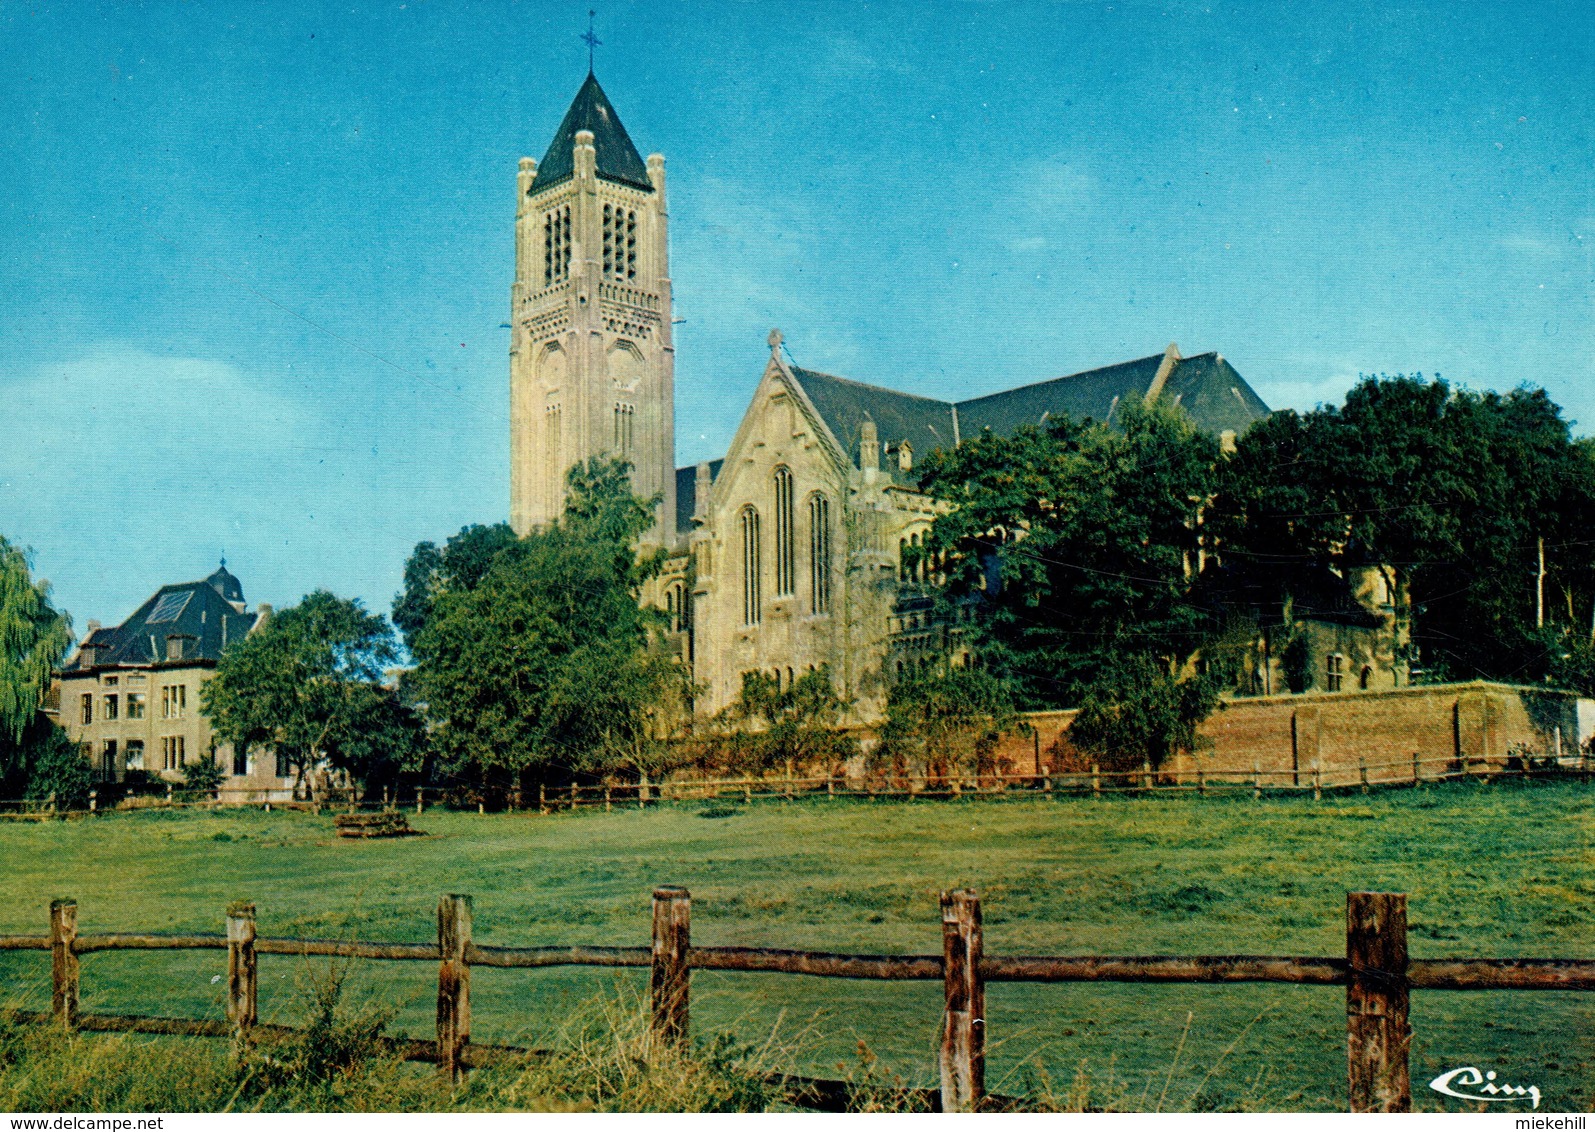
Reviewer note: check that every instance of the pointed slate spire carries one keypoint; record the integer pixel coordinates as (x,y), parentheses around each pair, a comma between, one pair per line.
(618,159)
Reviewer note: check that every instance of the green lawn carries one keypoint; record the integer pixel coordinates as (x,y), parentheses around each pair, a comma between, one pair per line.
(1502,869)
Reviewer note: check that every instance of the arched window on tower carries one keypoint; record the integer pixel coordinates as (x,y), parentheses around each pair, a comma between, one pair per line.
(556,245)
(819,554)
(624,415)
(785,573)
(752,611)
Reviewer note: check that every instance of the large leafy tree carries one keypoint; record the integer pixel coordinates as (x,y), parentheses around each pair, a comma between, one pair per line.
(307,684)
(1076,544)
(547,664)
(1450,493)
(774,726)
(459,564)
(946,719)
(34,636)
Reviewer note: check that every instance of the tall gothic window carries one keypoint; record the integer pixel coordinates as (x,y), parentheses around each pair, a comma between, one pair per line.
(556,245)
(752,611)
(785,567)
(819,554)
(624,415)
(620,242)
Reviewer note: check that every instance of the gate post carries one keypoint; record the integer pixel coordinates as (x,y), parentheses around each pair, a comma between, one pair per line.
(454,984)
(1377,995)
(671,978)
(64,962)
(963,1046)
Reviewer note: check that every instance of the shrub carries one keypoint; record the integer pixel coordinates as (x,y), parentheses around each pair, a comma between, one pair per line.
(205,775)
(60,769)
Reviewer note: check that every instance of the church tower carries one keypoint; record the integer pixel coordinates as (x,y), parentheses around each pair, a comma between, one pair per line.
(592,367)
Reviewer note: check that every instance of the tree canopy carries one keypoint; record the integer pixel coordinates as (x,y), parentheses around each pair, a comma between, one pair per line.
(307,684)
(775,726)
(546,663)
(1075,543)
(34,636)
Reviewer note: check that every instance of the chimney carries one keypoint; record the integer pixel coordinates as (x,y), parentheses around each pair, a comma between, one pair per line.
(1171,358)
(869,450)
(905,457)
(262,614)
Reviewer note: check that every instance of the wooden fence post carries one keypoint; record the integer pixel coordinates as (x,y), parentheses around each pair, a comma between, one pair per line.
(1257,779)
(963,1043)
(1377,1035)
(242,998)
(64,962)
(1096,781)
(1318,782)
(1146,773)
(642,790)
(418,802)
(671,977)
(1362,772)
(607,799)
(454,984)
(1415,776)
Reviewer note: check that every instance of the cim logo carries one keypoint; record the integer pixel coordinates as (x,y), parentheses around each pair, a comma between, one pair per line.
(1481,1086)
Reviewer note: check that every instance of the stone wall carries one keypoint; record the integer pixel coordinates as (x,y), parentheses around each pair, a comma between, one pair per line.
(1449,726)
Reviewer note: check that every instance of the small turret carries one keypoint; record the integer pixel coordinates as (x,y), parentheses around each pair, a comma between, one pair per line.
(869,450)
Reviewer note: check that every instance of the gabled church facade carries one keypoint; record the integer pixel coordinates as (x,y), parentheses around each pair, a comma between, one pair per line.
(788,553)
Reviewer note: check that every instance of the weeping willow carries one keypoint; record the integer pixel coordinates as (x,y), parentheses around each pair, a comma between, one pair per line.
(34,635)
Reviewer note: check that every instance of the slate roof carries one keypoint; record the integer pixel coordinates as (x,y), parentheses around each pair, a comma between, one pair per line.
(686,493)
(617,157)
(209,612)
(1206,387)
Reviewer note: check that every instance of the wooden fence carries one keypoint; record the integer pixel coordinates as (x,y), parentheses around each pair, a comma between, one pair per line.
(1376,971)
(1095,782)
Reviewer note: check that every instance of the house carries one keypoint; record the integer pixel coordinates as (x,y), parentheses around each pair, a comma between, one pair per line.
(130,695)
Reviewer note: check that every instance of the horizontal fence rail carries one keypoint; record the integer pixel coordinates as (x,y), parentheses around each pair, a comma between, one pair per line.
(1376,971)
(1147,780)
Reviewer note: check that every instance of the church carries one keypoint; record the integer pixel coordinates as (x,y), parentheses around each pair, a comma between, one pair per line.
(787,553)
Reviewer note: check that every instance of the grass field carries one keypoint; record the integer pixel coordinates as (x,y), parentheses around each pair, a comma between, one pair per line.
(1502,869)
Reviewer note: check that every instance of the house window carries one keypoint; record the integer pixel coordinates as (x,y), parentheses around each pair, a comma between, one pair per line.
(1365,677)
(624,415)
(1332,671)
(108,762)
(109,681)
(173,753)
(87,705)
(556,246)
(174,700)
(240,760)
(785,573)
(135,705)
(751,604)
(676,607)
(134,756)
(110,707)
(283,767)
(819,554)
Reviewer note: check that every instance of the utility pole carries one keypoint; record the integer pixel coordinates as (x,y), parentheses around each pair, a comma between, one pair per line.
(1539,589)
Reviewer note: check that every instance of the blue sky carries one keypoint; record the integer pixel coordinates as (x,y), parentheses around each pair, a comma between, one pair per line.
(257,257)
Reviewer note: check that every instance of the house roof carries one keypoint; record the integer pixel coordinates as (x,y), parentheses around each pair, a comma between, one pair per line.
(203,612)
(686,493)
(618,159)
(1206,387)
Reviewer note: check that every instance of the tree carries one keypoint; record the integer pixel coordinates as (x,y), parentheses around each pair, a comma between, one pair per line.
(57,769)
(547,665)
(770,727)
(1076,544)
(304,683)
(205,774)
(1139,711)
(34,636)
(461,564)
(1451,494)
(946,720)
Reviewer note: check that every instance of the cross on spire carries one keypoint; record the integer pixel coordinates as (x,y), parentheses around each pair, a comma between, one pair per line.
(591,40)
